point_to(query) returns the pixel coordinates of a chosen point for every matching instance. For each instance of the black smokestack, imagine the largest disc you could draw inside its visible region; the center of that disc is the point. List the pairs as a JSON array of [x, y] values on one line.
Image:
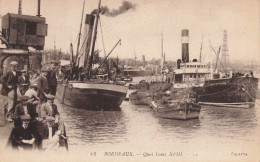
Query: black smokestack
[[89, 24], [125, 6], [185, 45]]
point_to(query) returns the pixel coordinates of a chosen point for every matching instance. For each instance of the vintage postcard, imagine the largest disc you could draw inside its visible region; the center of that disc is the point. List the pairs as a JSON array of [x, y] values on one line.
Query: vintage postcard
[[130, 80]]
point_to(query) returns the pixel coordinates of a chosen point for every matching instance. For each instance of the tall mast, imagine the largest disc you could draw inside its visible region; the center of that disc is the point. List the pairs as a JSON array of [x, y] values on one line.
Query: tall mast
[[20, 7], [77, 52], [162, 58], [135, 59], [201, 47], [39, 9], [162, 44], [92, 47]]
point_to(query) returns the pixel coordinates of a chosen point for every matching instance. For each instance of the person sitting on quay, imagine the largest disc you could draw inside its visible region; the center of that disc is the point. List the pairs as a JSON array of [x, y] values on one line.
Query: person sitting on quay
[[22, 137], [23, 81], [9, 88], [50, 109], [43, 85], [23, 108]]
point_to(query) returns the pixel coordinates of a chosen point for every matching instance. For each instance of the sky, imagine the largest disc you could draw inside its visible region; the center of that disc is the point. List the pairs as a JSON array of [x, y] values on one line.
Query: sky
[[141, 27]]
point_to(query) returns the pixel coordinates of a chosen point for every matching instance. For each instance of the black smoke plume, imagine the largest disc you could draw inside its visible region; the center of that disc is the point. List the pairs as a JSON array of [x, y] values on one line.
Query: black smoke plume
[[104, 10]]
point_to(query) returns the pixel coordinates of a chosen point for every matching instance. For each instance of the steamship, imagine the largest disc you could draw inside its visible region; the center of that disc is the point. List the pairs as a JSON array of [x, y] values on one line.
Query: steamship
[[95, 92], [234, 90]]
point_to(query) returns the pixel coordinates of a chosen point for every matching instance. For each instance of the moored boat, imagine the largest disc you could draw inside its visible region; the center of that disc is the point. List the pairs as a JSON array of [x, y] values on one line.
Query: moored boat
[[230, 92], [92, 95], [226, 88], [176, 109]]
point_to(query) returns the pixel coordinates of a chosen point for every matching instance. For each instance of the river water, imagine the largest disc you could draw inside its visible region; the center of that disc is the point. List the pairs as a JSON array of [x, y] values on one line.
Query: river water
[[219, 133]]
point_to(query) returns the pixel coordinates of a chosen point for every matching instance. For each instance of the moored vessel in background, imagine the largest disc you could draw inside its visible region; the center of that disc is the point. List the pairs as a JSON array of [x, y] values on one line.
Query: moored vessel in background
[[138, 72], [235, 91], [226, 88]]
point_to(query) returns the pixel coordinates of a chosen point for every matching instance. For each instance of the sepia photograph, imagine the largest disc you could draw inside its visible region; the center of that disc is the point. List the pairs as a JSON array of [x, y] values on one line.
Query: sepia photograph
[[129, 80]]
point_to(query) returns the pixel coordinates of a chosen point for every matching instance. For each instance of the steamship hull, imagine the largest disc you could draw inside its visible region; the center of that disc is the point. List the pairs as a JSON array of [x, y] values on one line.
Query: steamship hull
[[92, 96], [237, 92]]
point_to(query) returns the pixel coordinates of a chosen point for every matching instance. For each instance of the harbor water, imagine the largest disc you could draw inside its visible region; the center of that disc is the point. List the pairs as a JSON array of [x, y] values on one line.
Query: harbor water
[[221, 132]]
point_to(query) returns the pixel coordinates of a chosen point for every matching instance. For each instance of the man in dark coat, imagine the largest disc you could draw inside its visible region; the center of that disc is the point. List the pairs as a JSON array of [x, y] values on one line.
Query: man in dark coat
[[23, 81], [9, 87], [24, 108], [43, 85], [22, 136], [50, 109], [52, 78]]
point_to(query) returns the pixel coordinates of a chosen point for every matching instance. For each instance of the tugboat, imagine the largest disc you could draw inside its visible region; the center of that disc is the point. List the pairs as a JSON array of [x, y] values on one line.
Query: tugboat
[[92, 92]]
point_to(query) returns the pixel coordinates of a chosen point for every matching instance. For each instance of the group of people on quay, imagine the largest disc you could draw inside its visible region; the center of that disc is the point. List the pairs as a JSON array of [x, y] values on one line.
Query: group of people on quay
[[30, 106]]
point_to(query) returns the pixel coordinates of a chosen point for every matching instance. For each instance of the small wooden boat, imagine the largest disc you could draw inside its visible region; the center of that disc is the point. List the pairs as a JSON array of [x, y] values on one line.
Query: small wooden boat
[[176, 109], [242, 105]]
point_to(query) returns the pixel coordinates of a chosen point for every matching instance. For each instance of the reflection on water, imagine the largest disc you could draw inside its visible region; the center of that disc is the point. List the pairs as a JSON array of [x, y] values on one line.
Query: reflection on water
[[138, 125], [90, 127]]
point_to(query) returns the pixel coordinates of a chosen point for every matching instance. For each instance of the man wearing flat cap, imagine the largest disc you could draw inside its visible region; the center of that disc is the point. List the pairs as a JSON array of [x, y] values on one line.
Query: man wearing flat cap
[[49, 109], [43, 85], [23, 82], [24, 108], [9, 87], [53, 78], [22, 136]]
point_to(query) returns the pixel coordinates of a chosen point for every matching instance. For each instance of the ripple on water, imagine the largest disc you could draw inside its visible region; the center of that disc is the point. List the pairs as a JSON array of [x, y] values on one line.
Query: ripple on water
[[136, 124]]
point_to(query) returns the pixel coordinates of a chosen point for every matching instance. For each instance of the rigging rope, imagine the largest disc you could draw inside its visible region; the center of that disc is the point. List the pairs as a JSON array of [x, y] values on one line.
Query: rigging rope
[[250, 96], [102, 37]]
